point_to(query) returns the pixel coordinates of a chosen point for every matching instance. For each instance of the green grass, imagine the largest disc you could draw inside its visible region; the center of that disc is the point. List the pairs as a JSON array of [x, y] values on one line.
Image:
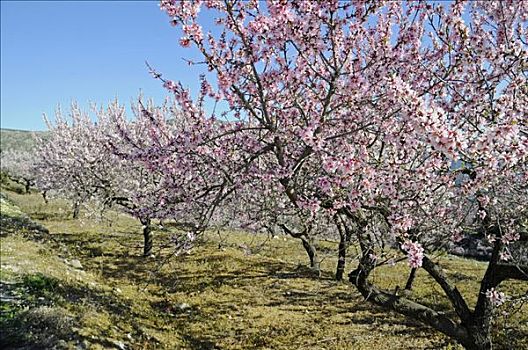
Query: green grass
[[221, 296]]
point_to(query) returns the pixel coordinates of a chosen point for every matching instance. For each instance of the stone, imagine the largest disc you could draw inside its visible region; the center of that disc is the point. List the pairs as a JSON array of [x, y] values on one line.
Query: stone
[[119, 344], [183, 306], [61, 344], [85, 344], [76, 264]]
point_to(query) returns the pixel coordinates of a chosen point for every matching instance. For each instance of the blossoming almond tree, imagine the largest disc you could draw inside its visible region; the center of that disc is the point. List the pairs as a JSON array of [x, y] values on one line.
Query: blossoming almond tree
[[81, 160], [404, 122], [18, 165], [194, 169], [140, 188], [70, 162], [132, 187]]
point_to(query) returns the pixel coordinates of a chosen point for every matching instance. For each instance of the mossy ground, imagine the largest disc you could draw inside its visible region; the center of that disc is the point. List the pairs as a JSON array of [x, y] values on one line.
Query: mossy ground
[[234, 291]]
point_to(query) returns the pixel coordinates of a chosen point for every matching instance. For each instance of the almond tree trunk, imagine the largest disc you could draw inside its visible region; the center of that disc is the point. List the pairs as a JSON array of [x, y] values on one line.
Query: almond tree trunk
[[147, 236], [472, 329], [45, 196], [308, 245], [344, 240], [76, 208], [27, 185], [410, 280], [315, 263]]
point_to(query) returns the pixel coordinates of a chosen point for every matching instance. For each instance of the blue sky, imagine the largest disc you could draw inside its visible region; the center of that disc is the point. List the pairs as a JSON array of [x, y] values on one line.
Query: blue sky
[[89, 51], [55, 52]]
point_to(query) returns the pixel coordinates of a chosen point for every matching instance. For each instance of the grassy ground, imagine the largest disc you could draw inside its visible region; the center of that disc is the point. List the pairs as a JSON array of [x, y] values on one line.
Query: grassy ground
[[85, 286]]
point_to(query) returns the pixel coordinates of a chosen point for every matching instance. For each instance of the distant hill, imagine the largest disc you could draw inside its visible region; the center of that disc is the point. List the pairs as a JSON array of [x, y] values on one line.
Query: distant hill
[[21, 140]]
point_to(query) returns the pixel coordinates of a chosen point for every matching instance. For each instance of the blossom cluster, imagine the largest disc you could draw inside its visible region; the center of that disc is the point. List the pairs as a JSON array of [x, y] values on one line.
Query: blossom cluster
[[495, 297], [341, 115], [414, 253]]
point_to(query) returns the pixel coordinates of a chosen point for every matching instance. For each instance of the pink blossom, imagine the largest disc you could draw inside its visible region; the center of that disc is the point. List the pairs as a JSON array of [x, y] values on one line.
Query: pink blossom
[[185, 42], [414, 253], [457, 235], [170, 85], [505, 256], [510, 237], [193, 31], [495, 297]]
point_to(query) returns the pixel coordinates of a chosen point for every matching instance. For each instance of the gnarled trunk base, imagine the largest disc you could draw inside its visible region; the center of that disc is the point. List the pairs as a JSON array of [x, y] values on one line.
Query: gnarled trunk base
[[76, 209], [341, 261], [315, 264]]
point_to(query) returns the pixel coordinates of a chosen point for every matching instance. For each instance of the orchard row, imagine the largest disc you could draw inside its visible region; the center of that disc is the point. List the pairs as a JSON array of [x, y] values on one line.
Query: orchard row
[[399, 127]]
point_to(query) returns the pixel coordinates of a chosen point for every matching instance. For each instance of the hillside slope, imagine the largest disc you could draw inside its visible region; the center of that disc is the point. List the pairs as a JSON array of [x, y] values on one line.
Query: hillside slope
[[21, 140]]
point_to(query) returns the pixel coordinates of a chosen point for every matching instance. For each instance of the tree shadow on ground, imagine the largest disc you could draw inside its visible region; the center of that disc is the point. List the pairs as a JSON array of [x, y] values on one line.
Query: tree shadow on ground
[[199, 343], [50, 216], [210, 272]]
